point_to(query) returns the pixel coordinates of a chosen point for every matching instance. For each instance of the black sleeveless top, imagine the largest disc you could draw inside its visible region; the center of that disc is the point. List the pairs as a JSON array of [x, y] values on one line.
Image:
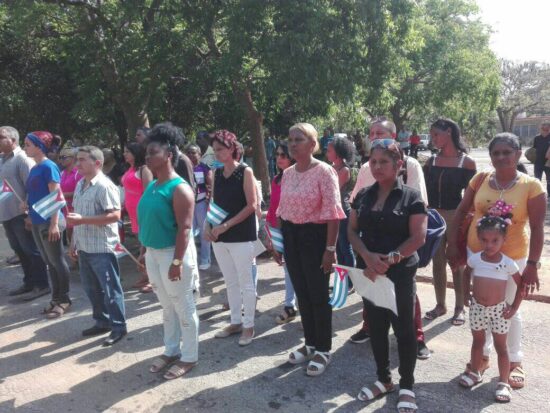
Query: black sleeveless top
[[229, 195], [446, 183]]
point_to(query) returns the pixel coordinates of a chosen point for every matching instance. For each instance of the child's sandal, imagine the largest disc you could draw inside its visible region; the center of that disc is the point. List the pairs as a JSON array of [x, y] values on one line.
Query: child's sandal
[[503, 393], [470, 379]]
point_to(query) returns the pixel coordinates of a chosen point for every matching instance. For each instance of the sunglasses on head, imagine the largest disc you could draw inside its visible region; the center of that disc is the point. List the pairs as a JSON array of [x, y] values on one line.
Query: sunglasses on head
[[384, 143]]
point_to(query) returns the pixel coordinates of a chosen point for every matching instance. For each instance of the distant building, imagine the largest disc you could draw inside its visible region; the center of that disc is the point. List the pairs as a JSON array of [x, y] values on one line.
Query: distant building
[[528, 127]]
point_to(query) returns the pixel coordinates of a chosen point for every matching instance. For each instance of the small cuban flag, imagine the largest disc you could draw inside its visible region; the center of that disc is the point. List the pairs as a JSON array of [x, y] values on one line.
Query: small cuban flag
[[50, 204], [215, 214], [6, 192], [340, 288], [120, 250], [276, 237]]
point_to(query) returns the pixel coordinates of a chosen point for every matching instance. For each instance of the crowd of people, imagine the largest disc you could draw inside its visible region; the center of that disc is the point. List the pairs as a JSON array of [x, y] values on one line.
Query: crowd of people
[[185, 202]]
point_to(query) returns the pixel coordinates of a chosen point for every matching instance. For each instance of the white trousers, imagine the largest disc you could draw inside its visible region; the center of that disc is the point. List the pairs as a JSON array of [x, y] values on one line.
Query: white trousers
[[179, 313], [235, 261], [514, 334]]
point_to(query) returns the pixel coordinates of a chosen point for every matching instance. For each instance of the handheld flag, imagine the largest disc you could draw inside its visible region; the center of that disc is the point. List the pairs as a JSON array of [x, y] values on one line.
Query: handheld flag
[[120, 251], [6, 192], [276, 237], [215, 214], [340, 288], [50, 204]]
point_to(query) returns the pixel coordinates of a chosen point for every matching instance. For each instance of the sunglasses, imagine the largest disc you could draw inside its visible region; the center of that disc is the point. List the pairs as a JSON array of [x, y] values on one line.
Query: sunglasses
[[384, 143]]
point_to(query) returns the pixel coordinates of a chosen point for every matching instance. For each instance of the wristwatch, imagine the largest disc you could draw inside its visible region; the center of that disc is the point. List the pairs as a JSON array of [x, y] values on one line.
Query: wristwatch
[[331, 248], [537, 264], [394, 257], [176, 262]]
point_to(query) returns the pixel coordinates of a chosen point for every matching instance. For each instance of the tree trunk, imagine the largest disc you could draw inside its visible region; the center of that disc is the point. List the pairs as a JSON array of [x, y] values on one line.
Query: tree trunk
[[506, 119], [135, 119], [255, 125], [121, 128]]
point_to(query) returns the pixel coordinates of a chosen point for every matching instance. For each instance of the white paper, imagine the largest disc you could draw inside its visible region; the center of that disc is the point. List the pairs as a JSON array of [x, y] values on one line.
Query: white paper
[[381, 292]]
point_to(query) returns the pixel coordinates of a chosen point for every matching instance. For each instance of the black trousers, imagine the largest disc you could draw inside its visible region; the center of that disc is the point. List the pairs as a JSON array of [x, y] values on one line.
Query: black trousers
[[539, 170], [380, 320], [304, 246]]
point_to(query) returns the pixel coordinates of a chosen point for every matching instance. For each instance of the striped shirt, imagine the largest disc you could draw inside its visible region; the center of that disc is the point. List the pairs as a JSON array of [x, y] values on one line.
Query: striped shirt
[[96, 198], [15, 169]]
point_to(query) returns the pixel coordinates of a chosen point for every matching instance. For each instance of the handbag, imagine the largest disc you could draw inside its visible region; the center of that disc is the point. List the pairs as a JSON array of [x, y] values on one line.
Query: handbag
[[462, 240]]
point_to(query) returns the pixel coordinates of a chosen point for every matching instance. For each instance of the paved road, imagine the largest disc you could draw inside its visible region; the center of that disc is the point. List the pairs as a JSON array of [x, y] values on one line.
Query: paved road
[[46, 366]]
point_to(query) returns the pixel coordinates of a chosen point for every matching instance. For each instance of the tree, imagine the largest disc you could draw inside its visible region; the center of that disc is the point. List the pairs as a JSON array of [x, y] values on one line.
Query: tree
[[525, 88], [441, 64]]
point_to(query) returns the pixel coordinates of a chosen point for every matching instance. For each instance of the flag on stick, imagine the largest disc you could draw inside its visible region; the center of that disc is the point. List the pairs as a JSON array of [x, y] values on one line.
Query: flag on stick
[[340, 288], [50, 204], [7, 192], [276, 237], [215, 214], [122, 251]]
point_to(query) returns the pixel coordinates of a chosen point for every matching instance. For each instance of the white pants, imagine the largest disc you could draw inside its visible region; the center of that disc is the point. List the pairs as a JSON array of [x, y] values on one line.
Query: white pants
[[179, 314], [514, 334], [235, 261]]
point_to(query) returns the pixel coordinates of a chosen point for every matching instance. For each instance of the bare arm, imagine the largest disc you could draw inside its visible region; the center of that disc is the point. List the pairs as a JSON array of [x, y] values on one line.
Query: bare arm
[[344, 176], [53, 231], [208, 179], [183, 205], [511, 310], [536, 208]]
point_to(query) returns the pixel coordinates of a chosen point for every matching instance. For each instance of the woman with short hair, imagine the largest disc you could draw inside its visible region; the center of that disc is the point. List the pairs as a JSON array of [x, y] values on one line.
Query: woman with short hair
[[234, 192], [310, 211]]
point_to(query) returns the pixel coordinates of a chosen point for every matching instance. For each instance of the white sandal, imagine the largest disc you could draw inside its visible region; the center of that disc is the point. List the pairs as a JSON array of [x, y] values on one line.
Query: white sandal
[[298, 357], [503, 393], [470, 379], [366, 394], [404, 404], [319, 367]]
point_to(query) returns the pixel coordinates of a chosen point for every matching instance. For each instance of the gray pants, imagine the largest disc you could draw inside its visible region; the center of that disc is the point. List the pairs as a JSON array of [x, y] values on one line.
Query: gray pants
[[54, 257]]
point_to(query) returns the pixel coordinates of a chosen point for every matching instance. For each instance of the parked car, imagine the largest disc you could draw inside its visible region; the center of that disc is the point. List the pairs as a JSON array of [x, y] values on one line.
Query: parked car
[[425, 142]]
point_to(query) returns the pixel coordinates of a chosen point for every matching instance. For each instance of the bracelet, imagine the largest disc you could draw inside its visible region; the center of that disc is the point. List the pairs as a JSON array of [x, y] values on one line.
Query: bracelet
[[331, 248]]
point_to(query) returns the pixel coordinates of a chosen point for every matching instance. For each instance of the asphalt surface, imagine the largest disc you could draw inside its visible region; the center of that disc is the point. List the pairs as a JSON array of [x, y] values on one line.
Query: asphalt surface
[[46, 366]]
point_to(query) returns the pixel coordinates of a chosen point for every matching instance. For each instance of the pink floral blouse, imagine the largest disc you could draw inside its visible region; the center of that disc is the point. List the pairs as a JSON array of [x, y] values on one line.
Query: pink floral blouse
[[312, 196]]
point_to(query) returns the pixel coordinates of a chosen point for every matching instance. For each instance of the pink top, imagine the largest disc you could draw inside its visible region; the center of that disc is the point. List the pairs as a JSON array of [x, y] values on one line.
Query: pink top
[[271, 216], [133, 189], [69, 179], [311, 196]]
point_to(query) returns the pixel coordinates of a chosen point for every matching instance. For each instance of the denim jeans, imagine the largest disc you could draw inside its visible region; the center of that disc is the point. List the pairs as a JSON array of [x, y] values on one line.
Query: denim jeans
[[539, 170], [100, 277], [201, 209], [290, 295], [35, 273], [179, 314], [53, 255]]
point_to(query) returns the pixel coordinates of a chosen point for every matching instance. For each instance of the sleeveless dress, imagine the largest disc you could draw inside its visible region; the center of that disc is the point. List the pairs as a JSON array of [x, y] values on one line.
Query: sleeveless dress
[[133, 190]]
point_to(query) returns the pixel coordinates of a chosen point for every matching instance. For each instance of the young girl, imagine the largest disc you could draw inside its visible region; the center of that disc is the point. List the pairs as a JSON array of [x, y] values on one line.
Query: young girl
[[488, 309]]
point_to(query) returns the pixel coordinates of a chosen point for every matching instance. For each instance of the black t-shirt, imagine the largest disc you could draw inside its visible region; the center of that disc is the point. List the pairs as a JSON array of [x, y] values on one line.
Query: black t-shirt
[[541, 144], [384, 231]]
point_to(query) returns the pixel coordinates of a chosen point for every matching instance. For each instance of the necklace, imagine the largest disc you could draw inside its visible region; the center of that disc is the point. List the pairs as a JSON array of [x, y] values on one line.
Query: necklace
[[507, 187]]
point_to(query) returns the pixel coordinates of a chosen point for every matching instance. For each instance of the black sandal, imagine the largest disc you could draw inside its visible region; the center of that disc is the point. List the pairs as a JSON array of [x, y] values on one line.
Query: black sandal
[[288, 315]]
